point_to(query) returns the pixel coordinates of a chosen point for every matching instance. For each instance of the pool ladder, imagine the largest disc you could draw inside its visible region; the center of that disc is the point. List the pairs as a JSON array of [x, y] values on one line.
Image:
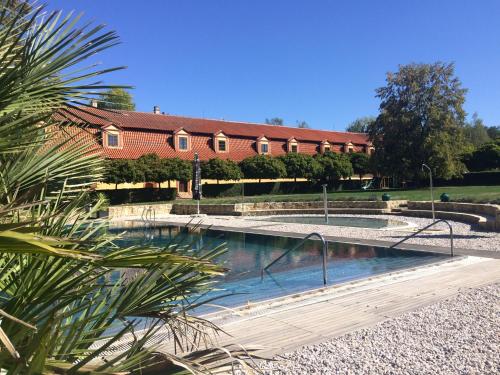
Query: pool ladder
[[324, 254], [427, 227], [148, 216]]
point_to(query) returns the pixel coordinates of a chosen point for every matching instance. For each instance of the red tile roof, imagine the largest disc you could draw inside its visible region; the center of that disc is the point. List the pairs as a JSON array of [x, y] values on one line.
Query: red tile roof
[[170, 123]]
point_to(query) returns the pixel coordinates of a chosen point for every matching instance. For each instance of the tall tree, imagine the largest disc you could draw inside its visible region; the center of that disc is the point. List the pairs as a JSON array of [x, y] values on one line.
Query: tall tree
[[493, 132], [421, 121], [119, 171], [476, 133], [116, 98], [274, 121], [360, 125], [303, 125]]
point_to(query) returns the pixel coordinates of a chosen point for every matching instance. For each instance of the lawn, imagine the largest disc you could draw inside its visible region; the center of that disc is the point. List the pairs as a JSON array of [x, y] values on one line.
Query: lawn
[[480, 194]]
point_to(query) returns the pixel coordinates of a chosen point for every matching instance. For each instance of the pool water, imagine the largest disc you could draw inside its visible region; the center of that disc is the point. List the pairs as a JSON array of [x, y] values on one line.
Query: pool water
[[341, 221], [298, 271]]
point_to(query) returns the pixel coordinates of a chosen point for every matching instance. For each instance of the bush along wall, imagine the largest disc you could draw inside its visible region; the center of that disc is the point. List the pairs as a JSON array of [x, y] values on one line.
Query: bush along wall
[[123, 196], [256, 188]]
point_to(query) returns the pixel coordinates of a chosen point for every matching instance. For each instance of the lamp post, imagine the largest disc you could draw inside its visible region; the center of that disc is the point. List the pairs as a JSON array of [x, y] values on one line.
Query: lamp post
[[325, 203], [432, 191]]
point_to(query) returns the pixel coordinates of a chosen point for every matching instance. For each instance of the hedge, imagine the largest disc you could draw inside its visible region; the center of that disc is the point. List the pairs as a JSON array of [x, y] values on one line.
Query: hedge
[[473, 179], [122, 196], [271, 188]]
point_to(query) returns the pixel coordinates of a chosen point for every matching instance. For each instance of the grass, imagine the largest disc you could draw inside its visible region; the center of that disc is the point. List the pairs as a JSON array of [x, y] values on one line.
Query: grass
[[478, 194]]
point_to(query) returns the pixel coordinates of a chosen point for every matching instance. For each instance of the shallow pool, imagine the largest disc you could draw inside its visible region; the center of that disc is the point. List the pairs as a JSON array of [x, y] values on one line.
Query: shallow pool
[[342, 221], [298, 271]]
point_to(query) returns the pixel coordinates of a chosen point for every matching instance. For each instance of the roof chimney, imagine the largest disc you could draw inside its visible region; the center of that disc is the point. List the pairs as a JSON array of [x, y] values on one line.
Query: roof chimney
[[156, 110], [93, 103]]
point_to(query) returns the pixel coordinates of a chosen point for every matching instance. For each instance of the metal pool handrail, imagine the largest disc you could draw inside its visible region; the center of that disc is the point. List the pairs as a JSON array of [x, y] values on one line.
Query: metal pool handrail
[[427, 227], [324, 254], [148, 216]]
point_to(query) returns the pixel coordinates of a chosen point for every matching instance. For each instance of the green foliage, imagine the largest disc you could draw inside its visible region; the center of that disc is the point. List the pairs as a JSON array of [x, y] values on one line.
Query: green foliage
[[361, 125], [274, 121], [333, 167], [420, 121], [219, 169], [493, 132], [178, 169], [151, 169], [486, 157], [116, 98], [119, 171], [303, 125], [300, 165], [476, 133], [262, 166], [360, 163], [68, 294]]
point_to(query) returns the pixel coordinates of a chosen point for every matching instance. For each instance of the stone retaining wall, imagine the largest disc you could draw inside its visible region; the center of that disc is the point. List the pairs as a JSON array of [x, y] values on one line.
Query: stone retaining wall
[[490, 212], [137, 209], [208, 209]]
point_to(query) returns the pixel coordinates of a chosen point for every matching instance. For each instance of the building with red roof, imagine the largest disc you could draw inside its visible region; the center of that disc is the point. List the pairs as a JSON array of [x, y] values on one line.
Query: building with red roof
[[129, 135]]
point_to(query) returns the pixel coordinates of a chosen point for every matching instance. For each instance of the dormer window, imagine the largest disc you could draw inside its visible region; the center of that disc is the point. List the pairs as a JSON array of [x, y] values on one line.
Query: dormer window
[[111, 137], [369, 149], [325, 146], [293, 145], [349, 148], [263, 146], [182, 140], [221, 142]]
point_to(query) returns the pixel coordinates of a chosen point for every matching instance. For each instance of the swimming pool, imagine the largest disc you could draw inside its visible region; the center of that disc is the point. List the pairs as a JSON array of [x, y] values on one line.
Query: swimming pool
[[342, 221], [297, 272]]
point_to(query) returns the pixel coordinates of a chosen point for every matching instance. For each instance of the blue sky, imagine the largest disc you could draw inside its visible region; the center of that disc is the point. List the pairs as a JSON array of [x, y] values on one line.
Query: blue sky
[[318, 61]]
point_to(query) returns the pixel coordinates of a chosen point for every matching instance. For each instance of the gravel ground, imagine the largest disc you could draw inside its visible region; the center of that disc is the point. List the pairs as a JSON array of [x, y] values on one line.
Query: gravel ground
[[464, 236], [460, 335]]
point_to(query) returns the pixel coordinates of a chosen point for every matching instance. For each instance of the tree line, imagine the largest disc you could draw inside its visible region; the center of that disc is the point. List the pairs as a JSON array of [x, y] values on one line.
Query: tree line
[[327, 168]]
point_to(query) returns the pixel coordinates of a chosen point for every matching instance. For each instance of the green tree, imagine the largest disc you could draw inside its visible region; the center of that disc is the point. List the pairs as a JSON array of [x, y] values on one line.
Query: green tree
[[486, 157], [421, 121], [333, 167], [300, 165], [360, 163], [493, 132], [274, 121], [476, 133], [361, 125], [151, 169], [303, 125], [119, 171], [116, 98], [219, 169], [180, 170], [262, 166]]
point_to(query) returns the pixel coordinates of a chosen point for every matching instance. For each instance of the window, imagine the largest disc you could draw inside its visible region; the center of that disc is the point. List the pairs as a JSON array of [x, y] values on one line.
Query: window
[[327, 149], [264, 148], [183, 143], [112, 140], [222, 145], [294, 148]]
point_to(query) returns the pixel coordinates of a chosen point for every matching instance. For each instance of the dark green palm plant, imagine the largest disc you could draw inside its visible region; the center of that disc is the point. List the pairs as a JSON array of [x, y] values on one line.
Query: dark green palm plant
[[72, 302]]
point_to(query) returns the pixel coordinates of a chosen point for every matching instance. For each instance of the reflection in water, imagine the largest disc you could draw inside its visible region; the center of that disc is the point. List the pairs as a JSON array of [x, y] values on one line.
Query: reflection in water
[[298, 271]]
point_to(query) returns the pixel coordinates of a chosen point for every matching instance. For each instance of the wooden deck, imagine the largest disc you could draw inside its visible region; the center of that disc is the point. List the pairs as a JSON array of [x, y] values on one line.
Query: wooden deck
[[342, 311]]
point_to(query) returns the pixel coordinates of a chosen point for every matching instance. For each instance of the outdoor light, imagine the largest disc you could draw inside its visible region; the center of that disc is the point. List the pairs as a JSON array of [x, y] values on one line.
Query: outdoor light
[[432, 192]]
